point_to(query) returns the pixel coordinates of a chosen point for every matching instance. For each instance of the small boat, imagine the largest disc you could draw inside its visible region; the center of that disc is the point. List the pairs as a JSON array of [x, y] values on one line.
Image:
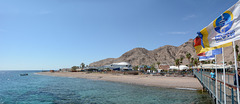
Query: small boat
[[24, 74]]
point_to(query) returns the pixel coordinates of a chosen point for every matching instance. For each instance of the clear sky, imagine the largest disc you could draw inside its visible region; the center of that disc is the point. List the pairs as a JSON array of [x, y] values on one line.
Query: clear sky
[[53, 34]]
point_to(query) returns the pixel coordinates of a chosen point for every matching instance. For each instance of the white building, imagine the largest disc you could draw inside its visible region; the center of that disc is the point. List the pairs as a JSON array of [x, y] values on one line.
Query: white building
[[123, 66], [181, 67]]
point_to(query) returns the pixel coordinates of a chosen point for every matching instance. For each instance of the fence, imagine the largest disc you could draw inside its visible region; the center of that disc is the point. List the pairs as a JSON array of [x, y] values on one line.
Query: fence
[[208, 83]]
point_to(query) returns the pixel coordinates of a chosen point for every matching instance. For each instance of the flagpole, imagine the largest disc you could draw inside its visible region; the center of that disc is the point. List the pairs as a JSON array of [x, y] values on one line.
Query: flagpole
[[225, 99], [216, 79], [236, 70]]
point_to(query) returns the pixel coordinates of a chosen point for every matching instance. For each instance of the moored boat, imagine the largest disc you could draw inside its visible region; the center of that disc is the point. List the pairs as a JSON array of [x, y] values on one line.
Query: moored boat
[[25, 74]]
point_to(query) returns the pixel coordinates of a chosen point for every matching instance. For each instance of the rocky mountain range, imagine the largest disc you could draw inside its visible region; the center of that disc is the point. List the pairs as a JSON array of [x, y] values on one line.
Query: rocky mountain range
[[165, 55]]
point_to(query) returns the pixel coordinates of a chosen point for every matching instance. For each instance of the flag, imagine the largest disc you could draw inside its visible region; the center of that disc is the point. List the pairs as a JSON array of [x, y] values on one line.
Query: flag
[[204, 58], [224, 29], [200, 47], [212, 52], [197, 45]]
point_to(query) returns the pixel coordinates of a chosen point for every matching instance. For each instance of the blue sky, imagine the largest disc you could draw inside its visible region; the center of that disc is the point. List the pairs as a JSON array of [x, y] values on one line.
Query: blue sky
[[53, 34]]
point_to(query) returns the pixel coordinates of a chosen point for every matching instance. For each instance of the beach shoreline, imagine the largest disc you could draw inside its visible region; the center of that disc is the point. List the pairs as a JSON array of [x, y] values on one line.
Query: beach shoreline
[[189, 83]]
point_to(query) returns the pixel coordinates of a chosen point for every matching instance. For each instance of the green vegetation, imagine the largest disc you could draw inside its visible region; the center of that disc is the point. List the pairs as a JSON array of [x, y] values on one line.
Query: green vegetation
[[208, 62], [213, 61], [192, 60], [196, 62], [236, 49], [145, 68], [108, 69], [181, 59], [188, 57], [158, 63], [153, 68], [238, 58], [82, 65], [177, 62], [135, 68]]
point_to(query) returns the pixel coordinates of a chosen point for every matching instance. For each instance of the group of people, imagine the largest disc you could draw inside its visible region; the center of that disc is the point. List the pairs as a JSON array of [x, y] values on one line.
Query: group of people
[[212, 74]]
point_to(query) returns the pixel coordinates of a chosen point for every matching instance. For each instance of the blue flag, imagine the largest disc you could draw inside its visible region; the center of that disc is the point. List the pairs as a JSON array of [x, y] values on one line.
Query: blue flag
[[204, 58]]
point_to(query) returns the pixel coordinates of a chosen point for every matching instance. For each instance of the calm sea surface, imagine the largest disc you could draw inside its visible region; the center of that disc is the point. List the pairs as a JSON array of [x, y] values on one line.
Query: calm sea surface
[[37, 89]]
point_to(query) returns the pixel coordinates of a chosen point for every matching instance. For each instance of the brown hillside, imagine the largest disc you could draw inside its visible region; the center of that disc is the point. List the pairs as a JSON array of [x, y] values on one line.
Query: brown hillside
[[165, 55]]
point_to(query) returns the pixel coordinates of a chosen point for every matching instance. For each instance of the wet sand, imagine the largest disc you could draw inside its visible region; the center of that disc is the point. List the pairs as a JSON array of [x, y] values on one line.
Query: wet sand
[[146, 80]]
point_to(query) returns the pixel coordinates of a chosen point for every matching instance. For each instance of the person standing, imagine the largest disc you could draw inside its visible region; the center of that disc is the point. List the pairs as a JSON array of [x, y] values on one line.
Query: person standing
[[212, 74]]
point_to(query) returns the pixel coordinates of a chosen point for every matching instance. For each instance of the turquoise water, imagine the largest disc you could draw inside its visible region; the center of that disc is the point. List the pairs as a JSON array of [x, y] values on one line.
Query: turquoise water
[[37, 89]]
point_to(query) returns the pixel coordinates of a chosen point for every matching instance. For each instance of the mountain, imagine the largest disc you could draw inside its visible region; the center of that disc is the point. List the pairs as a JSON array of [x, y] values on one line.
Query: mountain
[[165, 55]]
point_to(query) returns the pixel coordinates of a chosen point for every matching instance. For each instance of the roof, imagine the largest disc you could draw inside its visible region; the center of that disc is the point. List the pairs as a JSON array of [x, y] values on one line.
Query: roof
[[181, 67], [164, 67], [121, 63]]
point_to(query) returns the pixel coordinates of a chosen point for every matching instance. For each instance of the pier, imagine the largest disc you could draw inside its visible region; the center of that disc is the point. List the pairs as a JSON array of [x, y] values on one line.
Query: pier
[[209, 84]]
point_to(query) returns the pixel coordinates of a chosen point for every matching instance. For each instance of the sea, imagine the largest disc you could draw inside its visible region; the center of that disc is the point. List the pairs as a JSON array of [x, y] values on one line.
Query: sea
[[40, 89]]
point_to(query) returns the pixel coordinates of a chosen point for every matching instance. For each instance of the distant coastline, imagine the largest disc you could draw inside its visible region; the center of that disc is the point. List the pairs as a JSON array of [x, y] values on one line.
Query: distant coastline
[[146, 80]]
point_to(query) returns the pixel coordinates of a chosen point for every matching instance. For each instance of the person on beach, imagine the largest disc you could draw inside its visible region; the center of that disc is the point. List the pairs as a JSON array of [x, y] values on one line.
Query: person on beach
[[235, 78], [212, 74]]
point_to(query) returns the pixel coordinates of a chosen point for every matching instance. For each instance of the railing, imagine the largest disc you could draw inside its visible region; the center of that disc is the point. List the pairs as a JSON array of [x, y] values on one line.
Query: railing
[[208, 83], [229, 76]]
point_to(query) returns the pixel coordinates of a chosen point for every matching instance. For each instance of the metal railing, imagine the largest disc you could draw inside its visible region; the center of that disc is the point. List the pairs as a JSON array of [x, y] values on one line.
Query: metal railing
[[209, 84]]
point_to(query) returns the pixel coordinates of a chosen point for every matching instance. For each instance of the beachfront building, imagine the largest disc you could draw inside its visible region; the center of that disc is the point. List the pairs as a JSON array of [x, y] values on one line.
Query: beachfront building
[[90, 69], [208, 67], [143, 67], [121, 66], [181, 67], [213, 66], [79, 70], [164, 67]]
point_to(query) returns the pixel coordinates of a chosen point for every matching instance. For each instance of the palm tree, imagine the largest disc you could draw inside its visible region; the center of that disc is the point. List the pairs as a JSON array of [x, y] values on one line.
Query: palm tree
[[196, 62], [236, 49], [213, 61], [145, 67], [177, 62], [135, 67], [152, 67], [238, 57], [82, 65], [188, 57], [181, 59], [158, 63], [192, 60]]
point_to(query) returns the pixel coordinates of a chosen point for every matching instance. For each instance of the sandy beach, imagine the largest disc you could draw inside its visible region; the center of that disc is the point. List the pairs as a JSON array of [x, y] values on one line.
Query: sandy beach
[[146, 80]]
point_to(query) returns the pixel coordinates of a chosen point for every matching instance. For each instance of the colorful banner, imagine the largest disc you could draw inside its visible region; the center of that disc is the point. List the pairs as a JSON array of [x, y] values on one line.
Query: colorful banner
[[224, 29], [200, 48], [212, 52], [204, 58]]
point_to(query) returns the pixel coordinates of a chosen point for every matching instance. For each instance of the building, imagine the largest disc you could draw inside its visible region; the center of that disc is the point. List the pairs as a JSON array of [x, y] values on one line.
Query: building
[[164, 67], [181, 67], [121, 66], [90, 69]]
